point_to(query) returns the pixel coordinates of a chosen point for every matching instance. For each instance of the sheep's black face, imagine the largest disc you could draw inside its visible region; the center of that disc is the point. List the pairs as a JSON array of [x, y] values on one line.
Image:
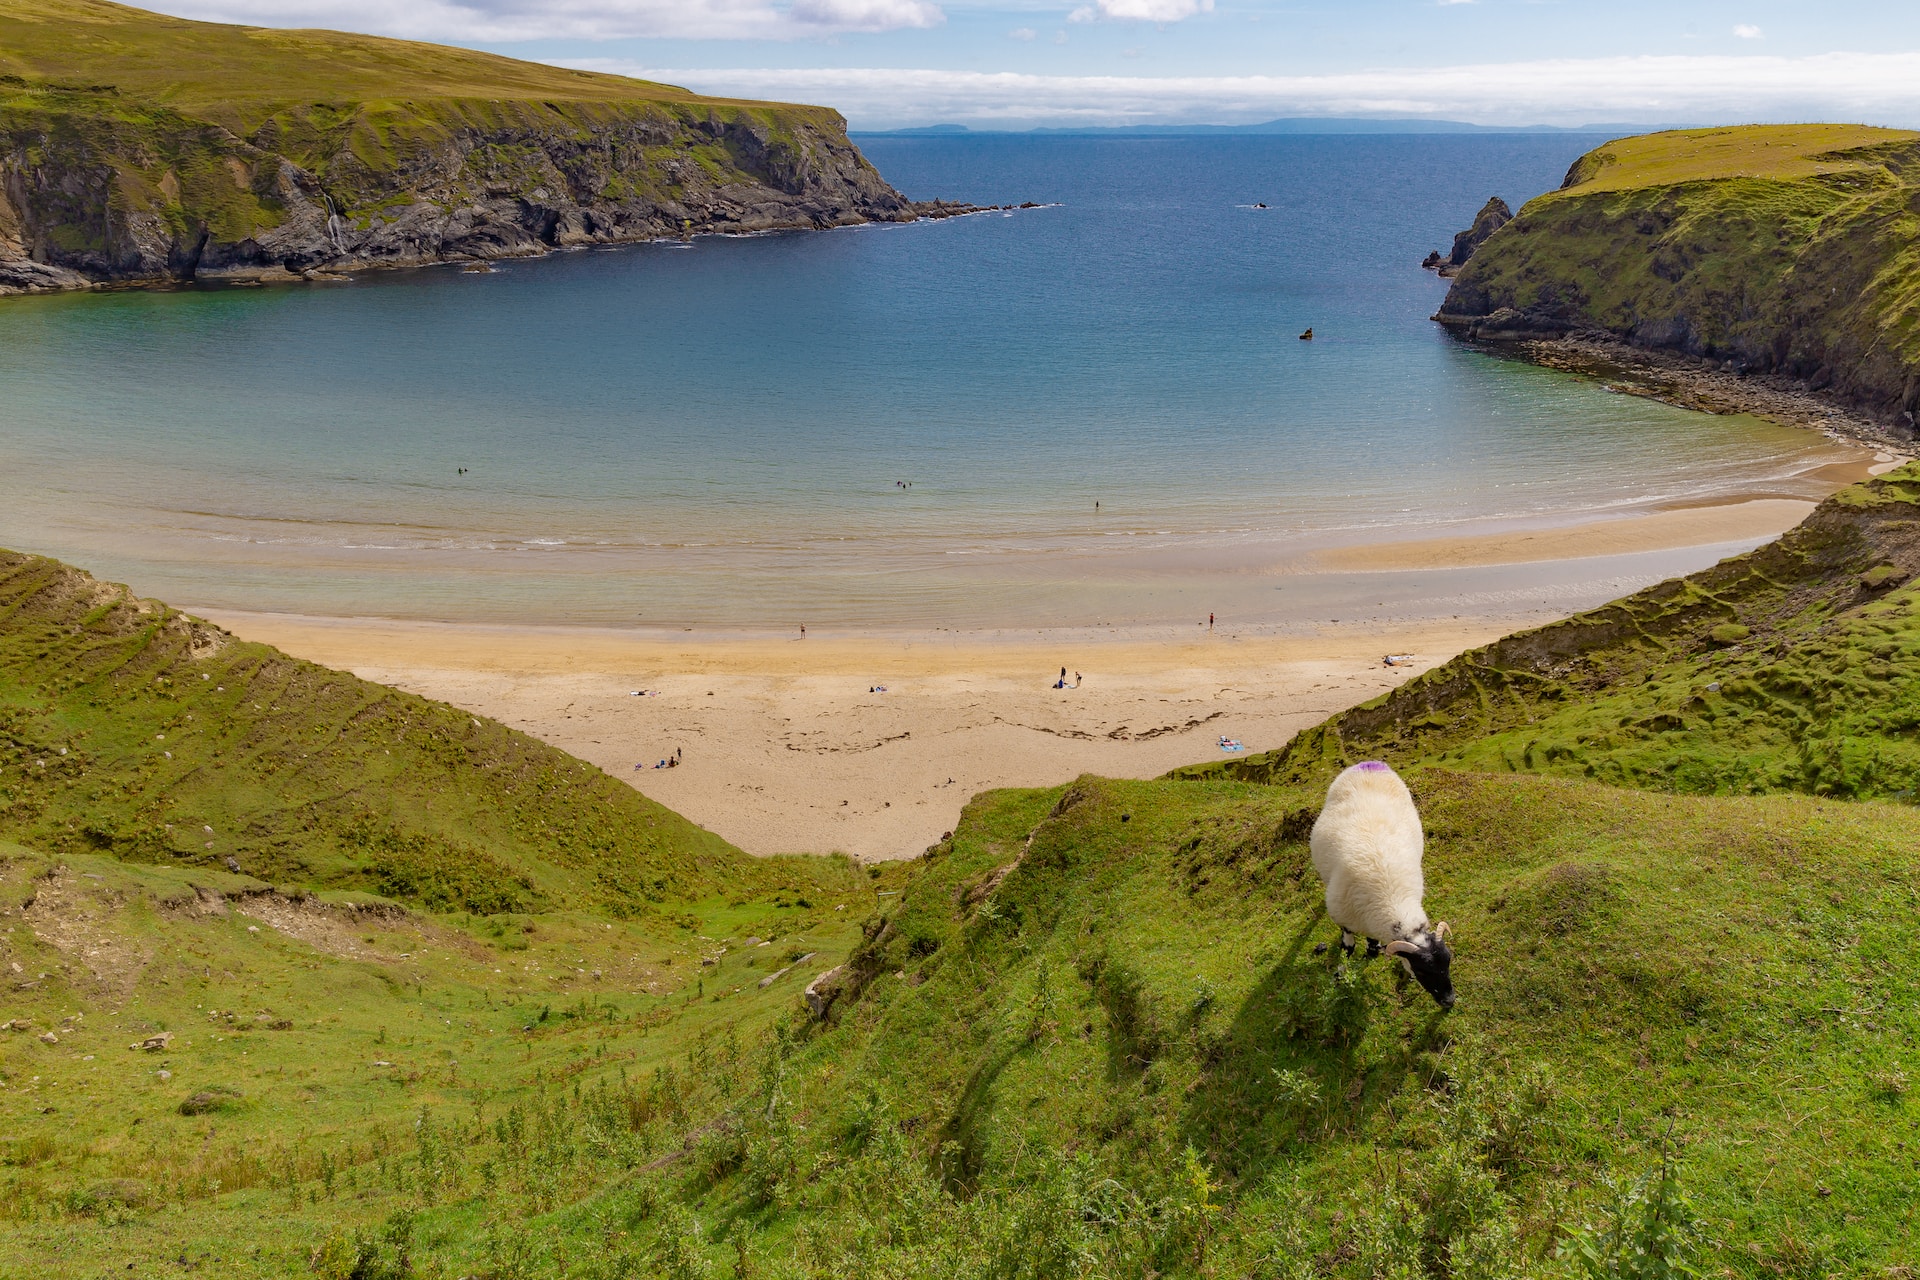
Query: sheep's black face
[[1431, 964]]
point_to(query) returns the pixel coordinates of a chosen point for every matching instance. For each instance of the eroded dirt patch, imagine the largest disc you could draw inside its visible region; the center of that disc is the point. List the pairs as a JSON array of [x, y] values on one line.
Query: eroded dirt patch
[[81, 919]]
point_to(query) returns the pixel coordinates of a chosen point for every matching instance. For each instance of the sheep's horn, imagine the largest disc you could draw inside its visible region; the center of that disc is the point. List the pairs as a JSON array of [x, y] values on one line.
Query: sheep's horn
[[1441, 930], [1399, 948]]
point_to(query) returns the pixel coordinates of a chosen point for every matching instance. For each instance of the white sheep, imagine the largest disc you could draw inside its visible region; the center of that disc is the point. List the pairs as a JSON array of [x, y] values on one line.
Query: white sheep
[[1366, 847]]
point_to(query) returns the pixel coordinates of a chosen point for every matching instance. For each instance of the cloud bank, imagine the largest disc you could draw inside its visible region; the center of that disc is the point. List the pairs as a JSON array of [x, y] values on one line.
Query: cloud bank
[[1140, 10], [512, 20], [1881, 88]]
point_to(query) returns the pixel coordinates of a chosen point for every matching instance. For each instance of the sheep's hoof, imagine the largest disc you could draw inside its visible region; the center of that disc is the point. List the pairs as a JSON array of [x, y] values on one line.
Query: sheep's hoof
[[1373, 948], [1320, 949]]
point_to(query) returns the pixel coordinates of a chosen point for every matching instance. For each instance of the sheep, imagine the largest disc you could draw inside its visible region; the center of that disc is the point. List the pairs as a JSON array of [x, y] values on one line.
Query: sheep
[[1366, 846]]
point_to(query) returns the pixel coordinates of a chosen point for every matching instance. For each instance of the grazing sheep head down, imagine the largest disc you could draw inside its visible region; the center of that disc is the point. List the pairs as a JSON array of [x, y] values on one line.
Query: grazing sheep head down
[[1430, 960], [1367, 845]]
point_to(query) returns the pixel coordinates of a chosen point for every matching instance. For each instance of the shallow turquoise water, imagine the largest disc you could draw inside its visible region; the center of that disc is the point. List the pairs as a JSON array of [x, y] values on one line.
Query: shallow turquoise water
[[713, 435]]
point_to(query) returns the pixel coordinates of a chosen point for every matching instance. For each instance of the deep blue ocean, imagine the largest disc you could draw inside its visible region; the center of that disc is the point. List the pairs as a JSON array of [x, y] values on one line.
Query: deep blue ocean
[[878, 426]]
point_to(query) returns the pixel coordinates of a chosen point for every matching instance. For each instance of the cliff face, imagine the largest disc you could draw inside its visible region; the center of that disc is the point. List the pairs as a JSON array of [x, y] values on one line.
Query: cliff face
[[1786, 250], [160, 178]]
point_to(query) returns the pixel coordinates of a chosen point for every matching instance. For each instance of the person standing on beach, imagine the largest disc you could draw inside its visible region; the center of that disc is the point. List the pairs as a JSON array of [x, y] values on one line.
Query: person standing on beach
[[803, 631], [1209, 622]]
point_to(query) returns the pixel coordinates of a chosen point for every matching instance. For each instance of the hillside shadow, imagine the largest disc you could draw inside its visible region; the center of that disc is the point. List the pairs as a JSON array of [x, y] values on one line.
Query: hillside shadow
[[1318, 1046], [959, 1164]]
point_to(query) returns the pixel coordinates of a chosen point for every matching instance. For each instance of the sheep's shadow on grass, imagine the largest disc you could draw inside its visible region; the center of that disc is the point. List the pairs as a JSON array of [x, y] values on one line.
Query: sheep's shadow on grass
[[1313, 1052]]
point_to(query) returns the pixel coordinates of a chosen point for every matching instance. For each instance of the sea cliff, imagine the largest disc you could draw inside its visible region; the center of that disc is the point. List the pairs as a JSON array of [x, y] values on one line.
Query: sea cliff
[[1785, 252], [141, 148]]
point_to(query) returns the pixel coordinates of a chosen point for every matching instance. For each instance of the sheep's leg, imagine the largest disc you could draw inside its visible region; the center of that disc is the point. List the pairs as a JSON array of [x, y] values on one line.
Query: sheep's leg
[[1346, 941], [1373, 948]]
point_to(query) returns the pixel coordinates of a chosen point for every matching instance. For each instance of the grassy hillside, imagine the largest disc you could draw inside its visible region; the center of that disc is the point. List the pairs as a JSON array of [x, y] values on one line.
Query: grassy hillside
[[362, 920], [132, 730], [1795, 667], [135, 146], [1089, 1035], [334, 1061], [211, 67], [1120, 1057], [1787, 249]]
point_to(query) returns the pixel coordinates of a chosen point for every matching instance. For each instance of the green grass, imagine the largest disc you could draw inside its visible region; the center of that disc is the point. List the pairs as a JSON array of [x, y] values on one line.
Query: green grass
[[1785, 248], [1088, 1035], [1783, 152], [206, 66], [336, 1032]]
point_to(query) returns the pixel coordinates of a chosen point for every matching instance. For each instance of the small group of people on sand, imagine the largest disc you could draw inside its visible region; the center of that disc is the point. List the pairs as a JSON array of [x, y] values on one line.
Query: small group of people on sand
[[1061, 683], [671, 762]]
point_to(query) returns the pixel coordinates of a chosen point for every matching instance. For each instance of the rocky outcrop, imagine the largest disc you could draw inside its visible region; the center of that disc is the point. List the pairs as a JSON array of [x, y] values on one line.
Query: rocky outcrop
[[1777, 251], [1493, 215], [98, 188]]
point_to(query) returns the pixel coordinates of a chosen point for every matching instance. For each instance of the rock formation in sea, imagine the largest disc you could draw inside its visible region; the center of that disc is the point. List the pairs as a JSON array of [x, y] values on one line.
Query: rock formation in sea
[[1493, 215]]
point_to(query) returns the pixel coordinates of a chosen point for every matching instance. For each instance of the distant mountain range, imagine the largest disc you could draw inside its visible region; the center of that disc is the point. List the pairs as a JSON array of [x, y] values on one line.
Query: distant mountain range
[[1289, 125]]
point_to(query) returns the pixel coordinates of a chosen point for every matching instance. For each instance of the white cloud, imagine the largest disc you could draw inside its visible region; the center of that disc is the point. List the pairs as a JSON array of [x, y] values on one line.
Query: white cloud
[[1852, 86], [866, 15], [1022, 33], [1747, 31], [1141, 10], [510, 20]]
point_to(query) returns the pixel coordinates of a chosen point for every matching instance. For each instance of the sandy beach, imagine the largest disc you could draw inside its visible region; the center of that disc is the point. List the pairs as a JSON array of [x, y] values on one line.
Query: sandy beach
[[870, 743]]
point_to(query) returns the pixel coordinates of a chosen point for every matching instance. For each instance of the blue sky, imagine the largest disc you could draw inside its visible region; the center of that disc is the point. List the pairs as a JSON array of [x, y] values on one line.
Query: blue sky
[[899, 62]]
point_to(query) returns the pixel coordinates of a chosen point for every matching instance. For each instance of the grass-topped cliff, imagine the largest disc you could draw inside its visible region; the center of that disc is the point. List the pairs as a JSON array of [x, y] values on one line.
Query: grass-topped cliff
[[1784, 249], [1088, 1035], [135, 146]]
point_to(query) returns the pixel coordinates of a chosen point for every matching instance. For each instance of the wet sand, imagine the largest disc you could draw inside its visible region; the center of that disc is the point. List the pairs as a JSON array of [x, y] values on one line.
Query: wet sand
[[1754, 519]]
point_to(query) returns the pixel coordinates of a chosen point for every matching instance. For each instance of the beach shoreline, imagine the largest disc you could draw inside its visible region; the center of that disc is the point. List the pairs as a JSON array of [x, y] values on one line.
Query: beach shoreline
[[869, 741]]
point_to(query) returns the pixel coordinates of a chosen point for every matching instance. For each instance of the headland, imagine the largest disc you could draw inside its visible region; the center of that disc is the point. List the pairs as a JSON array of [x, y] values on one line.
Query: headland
[[137, 148]]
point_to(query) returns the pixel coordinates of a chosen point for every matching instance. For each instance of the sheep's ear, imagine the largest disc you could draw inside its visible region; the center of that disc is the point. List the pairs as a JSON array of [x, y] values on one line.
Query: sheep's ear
[[1399, 948], [1441, 930]]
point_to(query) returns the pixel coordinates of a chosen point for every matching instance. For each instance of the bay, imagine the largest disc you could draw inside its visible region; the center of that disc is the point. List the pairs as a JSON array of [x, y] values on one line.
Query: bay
[[889, 426]]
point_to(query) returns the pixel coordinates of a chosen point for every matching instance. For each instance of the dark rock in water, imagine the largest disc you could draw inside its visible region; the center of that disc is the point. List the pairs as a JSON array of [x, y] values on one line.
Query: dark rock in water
[[1432, 260], [1493, 215]]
